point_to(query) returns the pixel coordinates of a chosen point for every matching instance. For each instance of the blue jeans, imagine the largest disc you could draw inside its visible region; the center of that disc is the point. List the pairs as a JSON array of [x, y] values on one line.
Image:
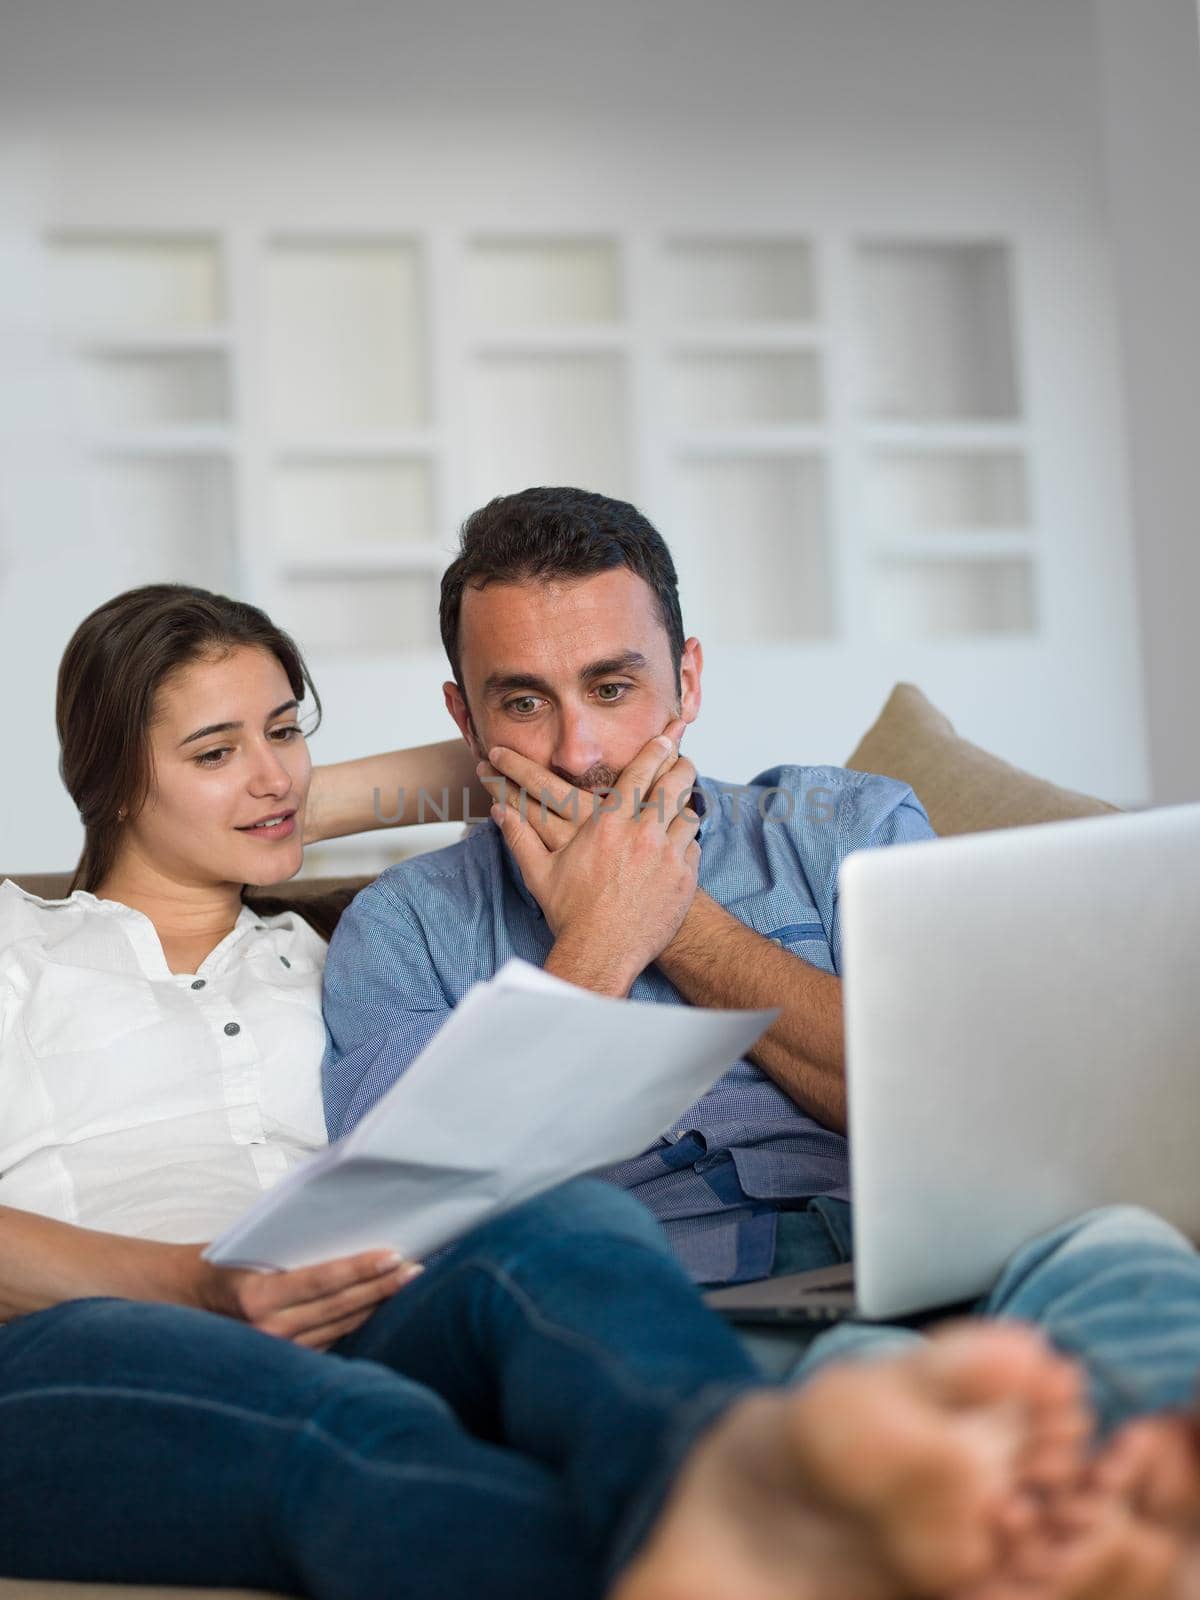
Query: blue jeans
[[507, 1425], [1118, 1289]]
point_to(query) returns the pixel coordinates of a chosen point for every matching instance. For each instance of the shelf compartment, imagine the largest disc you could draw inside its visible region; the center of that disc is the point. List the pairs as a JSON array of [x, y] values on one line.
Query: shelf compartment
[[118, 391], [959, 598], [752, 548], [938, 331], [558, 419], [924, 491], [163, 521], [745, 390], [740, 280], [109, 281], [368, 504], [346, 336], [359, 616], [559, 282]]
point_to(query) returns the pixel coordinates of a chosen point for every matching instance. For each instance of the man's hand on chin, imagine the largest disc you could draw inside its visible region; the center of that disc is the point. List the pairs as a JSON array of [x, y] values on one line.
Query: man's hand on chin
[[711, 958], [615, 873]]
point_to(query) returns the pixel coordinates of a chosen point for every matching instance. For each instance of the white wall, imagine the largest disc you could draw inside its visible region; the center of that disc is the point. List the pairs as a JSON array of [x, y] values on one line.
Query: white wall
[[1149, 56], [955, 115]]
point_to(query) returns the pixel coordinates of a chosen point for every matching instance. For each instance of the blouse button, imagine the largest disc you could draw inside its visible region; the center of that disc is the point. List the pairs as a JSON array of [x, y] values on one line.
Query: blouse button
[[258, 928], [285, 961], [233, 1027], [198, 984]]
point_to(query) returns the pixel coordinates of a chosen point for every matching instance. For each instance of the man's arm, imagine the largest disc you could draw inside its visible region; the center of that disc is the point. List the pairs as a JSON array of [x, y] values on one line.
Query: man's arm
[[715, 960], [383, 1002]]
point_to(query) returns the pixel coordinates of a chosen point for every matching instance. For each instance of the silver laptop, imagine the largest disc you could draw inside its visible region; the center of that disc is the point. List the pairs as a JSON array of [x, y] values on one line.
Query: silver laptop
[[1023, 1043]]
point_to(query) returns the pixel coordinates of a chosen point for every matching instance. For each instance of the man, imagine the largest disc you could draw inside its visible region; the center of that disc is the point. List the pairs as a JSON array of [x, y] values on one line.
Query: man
[[561, 621]]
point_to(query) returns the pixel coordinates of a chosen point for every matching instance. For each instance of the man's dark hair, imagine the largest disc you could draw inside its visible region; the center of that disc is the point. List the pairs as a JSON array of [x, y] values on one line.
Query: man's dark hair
[[543, 534]]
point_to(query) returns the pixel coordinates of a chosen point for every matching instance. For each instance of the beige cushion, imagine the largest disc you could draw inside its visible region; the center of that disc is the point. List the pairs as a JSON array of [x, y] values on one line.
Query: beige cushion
[[963, 788]]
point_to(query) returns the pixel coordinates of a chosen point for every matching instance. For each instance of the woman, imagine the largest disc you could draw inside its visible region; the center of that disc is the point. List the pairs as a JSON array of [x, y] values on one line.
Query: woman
[[548, 1410]]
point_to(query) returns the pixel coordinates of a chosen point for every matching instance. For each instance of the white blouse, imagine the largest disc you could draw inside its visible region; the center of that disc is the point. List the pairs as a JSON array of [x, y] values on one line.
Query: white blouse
[[145, 1102]]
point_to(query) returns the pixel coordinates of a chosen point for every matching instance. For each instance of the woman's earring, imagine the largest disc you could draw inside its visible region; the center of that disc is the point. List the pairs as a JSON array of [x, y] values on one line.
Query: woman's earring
[[121, 814]]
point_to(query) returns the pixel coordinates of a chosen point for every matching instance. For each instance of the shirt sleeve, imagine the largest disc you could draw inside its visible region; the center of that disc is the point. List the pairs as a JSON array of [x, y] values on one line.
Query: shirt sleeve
[[890, 814], [814, 817], [383, 1003]]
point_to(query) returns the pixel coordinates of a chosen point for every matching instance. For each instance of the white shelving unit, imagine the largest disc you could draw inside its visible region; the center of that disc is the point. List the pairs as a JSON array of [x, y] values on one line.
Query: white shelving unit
[[537, 284], [546, 382], [845, 469], [744, 354], [544, 417], [143, 317], [351, 497], [943, 457]]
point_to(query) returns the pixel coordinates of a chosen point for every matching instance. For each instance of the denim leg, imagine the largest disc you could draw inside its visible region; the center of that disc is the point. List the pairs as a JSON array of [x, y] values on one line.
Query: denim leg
[[820, 1235], [567, 1330], [153, 1444], [1119, 1289], [853, 1341]]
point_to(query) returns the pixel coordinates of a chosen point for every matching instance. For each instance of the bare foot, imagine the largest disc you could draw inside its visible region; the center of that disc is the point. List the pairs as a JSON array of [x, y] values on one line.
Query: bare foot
[[1129, 1531], [1092, 1546], [875, 1479], [1155, 1464]]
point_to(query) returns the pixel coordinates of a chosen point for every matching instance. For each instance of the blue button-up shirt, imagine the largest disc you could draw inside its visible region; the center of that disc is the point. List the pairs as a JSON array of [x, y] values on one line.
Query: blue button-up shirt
[[413, 942]]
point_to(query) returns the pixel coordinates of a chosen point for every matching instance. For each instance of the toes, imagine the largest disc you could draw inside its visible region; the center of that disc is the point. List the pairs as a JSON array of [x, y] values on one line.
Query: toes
[[1127, 1457], [975, 1363]]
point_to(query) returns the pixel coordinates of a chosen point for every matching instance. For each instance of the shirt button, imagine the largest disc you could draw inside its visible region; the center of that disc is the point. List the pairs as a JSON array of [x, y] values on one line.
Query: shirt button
[[285, 961], [233, 1027], [198, 984], [258, 928]]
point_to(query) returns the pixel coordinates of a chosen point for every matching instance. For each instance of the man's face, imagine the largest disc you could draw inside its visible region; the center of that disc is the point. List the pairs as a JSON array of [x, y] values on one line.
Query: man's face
[[575, 674]]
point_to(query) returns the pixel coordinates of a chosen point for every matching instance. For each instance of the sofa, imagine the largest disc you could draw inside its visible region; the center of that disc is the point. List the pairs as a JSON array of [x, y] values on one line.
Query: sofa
[[964, 789]]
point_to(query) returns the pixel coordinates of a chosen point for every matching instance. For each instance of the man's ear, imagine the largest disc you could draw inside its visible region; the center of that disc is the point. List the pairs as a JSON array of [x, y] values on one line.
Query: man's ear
[[456, 705], [691, 665]]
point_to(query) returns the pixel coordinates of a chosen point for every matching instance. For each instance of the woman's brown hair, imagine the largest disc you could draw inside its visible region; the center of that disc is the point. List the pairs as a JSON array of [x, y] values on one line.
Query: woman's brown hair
[[111, 672]]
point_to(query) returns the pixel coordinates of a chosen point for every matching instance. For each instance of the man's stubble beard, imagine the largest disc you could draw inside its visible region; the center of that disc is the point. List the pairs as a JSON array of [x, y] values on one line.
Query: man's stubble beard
[[594, 779]]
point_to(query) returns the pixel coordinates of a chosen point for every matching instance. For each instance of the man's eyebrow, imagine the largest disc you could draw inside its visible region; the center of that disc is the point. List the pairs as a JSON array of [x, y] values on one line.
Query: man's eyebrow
[[504, 682], [627, 661], [501, 682], [232, 727]]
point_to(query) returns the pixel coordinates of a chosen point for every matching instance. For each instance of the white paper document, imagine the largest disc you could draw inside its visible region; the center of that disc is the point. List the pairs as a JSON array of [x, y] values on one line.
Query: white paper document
[[531, 1081]]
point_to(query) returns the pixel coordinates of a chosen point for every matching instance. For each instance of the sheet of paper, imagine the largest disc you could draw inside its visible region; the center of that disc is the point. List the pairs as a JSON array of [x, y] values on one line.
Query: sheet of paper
[[531, 1081]]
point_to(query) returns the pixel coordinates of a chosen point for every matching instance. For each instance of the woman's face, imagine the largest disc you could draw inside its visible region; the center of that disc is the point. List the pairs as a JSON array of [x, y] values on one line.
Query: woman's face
[[227, 759]]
